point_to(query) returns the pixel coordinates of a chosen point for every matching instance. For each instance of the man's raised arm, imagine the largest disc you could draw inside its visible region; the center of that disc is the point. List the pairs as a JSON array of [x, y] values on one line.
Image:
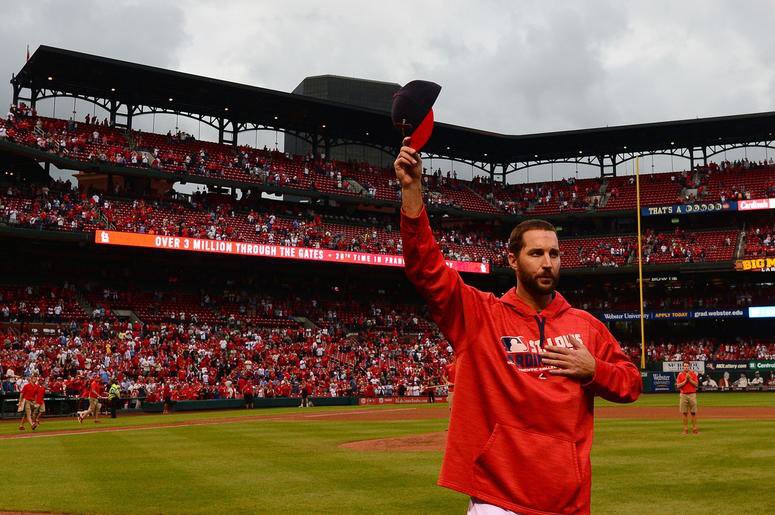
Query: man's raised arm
[[408, 168], [453, 304]]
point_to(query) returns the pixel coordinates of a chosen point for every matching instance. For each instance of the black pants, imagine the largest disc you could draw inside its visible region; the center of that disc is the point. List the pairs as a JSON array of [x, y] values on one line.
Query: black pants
[[114, 403]]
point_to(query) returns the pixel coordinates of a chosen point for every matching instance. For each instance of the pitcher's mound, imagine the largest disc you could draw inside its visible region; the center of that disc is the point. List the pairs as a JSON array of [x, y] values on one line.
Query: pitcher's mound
[[411, 443]]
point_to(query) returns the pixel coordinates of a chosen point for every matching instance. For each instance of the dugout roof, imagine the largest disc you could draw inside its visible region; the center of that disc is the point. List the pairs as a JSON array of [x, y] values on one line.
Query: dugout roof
[[88, 75]]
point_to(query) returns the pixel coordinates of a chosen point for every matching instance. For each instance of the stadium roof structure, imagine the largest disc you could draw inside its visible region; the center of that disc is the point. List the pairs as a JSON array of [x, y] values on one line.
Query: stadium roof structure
[[127, 90]]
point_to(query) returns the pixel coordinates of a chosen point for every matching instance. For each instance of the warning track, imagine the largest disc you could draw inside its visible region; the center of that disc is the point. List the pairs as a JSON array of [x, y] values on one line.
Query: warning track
[[366, 415]]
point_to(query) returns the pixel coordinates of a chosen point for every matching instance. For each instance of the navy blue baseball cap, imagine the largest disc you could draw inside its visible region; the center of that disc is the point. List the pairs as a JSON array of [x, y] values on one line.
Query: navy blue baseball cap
[[412, 111]]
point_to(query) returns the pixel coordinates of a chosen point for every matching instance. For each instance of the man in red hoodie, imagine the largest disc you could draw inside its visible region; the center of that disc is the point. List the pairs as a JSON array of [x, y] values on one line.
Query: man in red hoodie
[[528, 366]]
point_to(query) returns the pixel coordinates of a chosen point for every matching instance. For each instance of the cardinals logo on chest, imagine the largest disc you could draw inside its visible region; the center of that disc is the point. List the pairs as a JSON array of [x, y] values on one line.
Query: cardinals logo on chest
[[525, 355]]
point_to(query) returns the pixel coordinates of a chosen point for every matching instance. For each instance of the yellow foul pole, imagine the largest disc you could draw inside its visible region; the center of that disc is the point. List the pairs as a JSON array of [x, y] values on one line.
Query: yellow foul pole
[[640, 267]]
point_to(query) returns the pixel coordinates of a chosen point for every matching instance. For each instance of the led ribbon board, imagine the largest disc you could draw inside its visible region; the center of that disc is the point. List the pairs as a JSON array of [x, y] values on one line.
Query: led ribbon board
[[155, 241]]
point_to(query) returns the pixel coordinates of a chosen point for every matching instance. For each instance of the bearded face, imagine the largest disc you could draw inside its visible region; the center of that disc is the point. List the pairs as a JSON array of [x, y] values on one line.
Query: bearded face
[[538, 263], [538, 284]]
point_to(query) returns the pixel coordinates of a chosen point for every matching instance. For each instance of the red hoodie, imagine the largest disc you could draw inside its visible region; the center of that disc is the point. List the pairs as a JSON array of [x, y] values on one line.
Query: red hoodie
[[519, 437]]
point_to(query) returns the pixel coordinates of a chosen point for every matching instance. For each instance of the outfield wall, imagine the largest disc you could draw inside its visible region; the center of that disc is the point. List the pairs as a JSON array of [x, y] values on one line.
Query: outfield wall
[[64, 406], [286, 402], [653, 382], [274, 402], [664, 382]]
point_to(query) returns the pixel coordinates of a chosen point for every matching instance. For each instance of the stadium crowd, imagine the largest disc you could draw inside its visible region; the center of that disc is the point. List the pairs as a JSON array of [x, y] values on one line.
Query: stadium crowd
[[60, 206], [225, 343], [202, 361], [741, 179], [760, 241], [251, 343], [703, 349], [182, 154], [684, 295]]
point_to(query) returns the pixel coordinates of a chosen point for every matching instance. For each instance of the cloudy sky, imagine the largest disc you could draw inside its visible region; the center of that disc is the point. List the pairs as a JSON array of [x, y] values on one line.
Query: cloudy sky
[[505, 66]]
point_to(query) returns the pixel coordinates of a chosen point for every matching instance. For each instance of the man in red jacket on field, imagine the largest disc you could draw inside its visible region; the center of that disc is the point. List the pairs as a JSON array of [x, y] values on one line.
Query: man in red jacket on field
[[92, 391], [26, 404], [687, 383], [528, 366]]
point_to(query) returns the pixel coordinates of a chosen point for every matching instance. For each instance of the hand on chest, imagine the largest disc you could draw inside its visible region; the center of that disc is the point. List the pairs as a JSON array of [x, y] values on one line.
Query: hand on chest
[[521, 344]]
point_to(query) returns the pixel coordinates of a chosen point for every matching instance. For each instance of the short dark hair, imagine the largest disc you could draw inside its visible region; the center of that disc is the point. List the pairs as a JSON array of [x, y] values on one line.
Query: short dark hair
[[516, 241]]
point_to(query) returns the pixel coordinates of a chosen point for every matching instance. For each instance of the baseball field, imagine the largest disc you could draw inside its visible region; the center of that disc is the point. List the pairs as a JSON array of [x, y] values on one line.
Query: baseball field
[[373, 460]]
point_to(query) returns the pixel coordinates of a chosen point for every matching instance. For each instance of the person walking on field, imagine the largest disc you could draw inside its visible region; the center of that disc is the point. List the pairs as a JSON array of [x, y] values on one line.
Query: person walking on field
[[528, 366], [26, 405], [449, 378], [94, 393], [40, 403], [166, 395], [686, 382]]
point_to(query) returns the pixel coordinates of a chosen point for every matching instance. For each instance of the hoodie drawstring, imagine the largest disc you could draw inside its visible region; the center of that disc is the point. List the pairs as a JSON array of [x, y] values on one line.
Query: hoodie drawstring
[[541, 324]]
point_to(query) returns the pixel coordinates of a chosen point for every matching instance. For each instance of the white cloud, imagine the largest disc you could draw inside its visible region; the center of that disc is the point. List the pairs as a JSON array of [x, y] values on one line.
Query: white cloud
[[513, 67]]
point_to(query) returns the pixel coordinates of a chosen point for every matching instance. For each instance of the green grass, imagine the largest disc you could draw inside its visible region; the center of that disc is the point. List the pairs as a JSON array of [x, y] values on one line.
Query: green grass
[[293, 466], [649, 466], [720, 399], [69, 423]]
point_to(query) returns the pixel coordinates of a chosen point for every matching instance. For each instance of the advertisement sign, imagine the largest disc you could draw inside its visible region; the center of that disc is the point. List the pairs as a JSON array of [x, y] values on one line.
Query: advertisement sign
[[726, 377], [678, 366], [689, 209], [368, 401], [762, 365], [662, 381], [761, 312], [756, 388], [661, 278], [755, 265], [719, 313], [154, 241], [675, 315], [670, 315], [728, 365], [759, 203], [630, 315], [753, 375], [647, 315]]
